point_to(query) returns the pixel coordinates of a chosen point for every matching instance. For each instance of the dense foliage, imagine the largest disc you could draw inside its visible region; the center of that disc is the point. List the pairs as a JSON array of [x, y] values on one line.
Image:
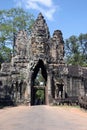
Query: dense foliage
[[11, 21], [76, 50], [40, 94]]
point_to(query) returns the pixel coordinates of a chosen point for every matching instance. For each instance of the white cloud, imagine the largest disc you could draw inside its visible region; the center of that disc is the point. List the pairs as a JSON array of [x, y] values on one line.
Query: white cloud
[[49, 13], [47, 3], [46, 7], [18, 3]]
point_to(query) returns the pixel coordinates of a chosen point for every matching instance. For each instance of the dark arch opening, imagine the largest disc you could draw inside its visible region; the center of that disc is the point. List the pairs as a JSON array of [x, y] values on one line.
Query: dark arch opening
[[40, 66]]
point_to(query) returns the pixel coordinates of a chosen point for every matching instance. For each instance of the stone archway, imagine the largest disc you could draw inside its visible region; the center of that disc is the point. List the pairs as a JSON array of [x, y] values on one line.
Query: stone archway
[[59, 90], [39, 66]]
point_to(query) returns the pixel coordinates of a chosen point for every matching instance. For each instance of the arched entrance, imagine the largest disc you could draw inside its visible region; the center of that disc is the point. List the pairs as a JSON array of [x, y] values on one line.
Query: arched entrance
[[59, 90], [39, 89]]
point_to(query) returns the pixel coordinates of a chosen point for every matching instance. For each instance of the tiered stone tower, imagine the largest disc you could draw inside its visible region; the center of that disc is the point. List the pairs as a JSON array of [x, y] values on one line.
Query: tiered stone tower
[[47, 54], [42, 52]]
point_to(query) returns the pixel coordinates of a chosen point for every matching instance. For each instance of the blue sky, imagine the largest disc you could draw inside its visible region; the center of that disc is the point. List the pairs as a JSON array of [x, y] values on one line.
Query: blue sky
[[69, 16]]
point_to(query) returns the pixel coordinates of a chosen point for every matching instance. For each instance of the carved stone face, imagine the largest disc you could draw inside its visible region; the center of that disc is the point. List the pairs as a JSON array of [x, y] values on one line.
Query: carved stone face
[[37, 48], [21, 43]]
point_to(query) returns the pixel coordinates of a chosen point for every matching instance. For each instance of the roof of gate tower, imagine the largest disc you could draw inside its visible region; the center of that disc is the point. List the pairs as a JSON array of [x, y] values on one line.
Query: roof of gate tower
[[40, 28]]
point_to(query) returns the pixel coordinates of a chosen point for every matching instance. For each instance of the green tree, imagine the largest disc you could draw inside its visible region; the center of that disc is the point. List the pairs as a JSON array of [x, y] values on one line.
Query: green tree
[[76, 50], [40, 94], [83, 47], [11, 21]]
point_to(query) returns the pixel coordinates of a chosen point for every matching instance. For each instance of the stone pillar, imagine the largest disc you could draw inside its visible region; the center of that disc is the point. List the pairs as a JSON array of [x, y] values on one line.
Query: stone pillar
[[65, 86], [48, 89], [28, 96], [71, 93], [81, 88], [29, 88]]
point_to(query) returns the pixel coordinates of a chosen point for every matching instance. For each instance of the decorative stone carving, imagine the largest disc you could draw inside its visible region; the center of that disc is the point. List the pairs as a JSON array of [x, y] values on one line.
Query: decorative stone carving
[[6, 67], [21, 43], [57, 47]]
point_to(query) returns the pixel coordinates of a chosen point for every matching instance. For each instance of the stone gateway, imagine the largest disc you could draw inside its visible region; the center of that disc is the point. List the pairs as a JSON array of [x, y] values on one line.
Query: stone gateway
[[35, 55]]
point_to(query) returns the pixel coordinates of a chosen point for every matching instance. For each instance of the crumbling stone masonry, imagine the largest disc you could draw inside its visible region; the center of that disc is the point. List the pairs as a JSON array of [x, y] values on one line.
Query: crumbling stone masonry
[[40, 51]]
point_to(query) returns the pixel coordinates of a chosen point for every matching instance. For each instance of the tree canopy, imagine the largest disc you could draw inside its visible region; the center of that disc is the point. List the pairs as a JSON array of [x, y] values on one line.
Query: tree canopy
[[76, 50], [11, 21]]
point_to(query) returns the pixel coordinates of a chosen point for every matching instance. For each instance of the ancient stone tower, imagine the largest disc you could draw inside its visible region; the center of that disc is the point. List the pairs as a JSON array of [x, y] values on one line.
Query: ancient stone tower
[[43, 54], [39, 51], [46, 53]]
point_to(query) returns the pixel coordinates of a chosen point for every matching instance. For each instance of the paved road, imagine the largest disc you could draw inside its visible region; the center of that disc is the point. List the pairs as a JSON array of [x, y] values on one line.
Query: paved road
[[42, 118]]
